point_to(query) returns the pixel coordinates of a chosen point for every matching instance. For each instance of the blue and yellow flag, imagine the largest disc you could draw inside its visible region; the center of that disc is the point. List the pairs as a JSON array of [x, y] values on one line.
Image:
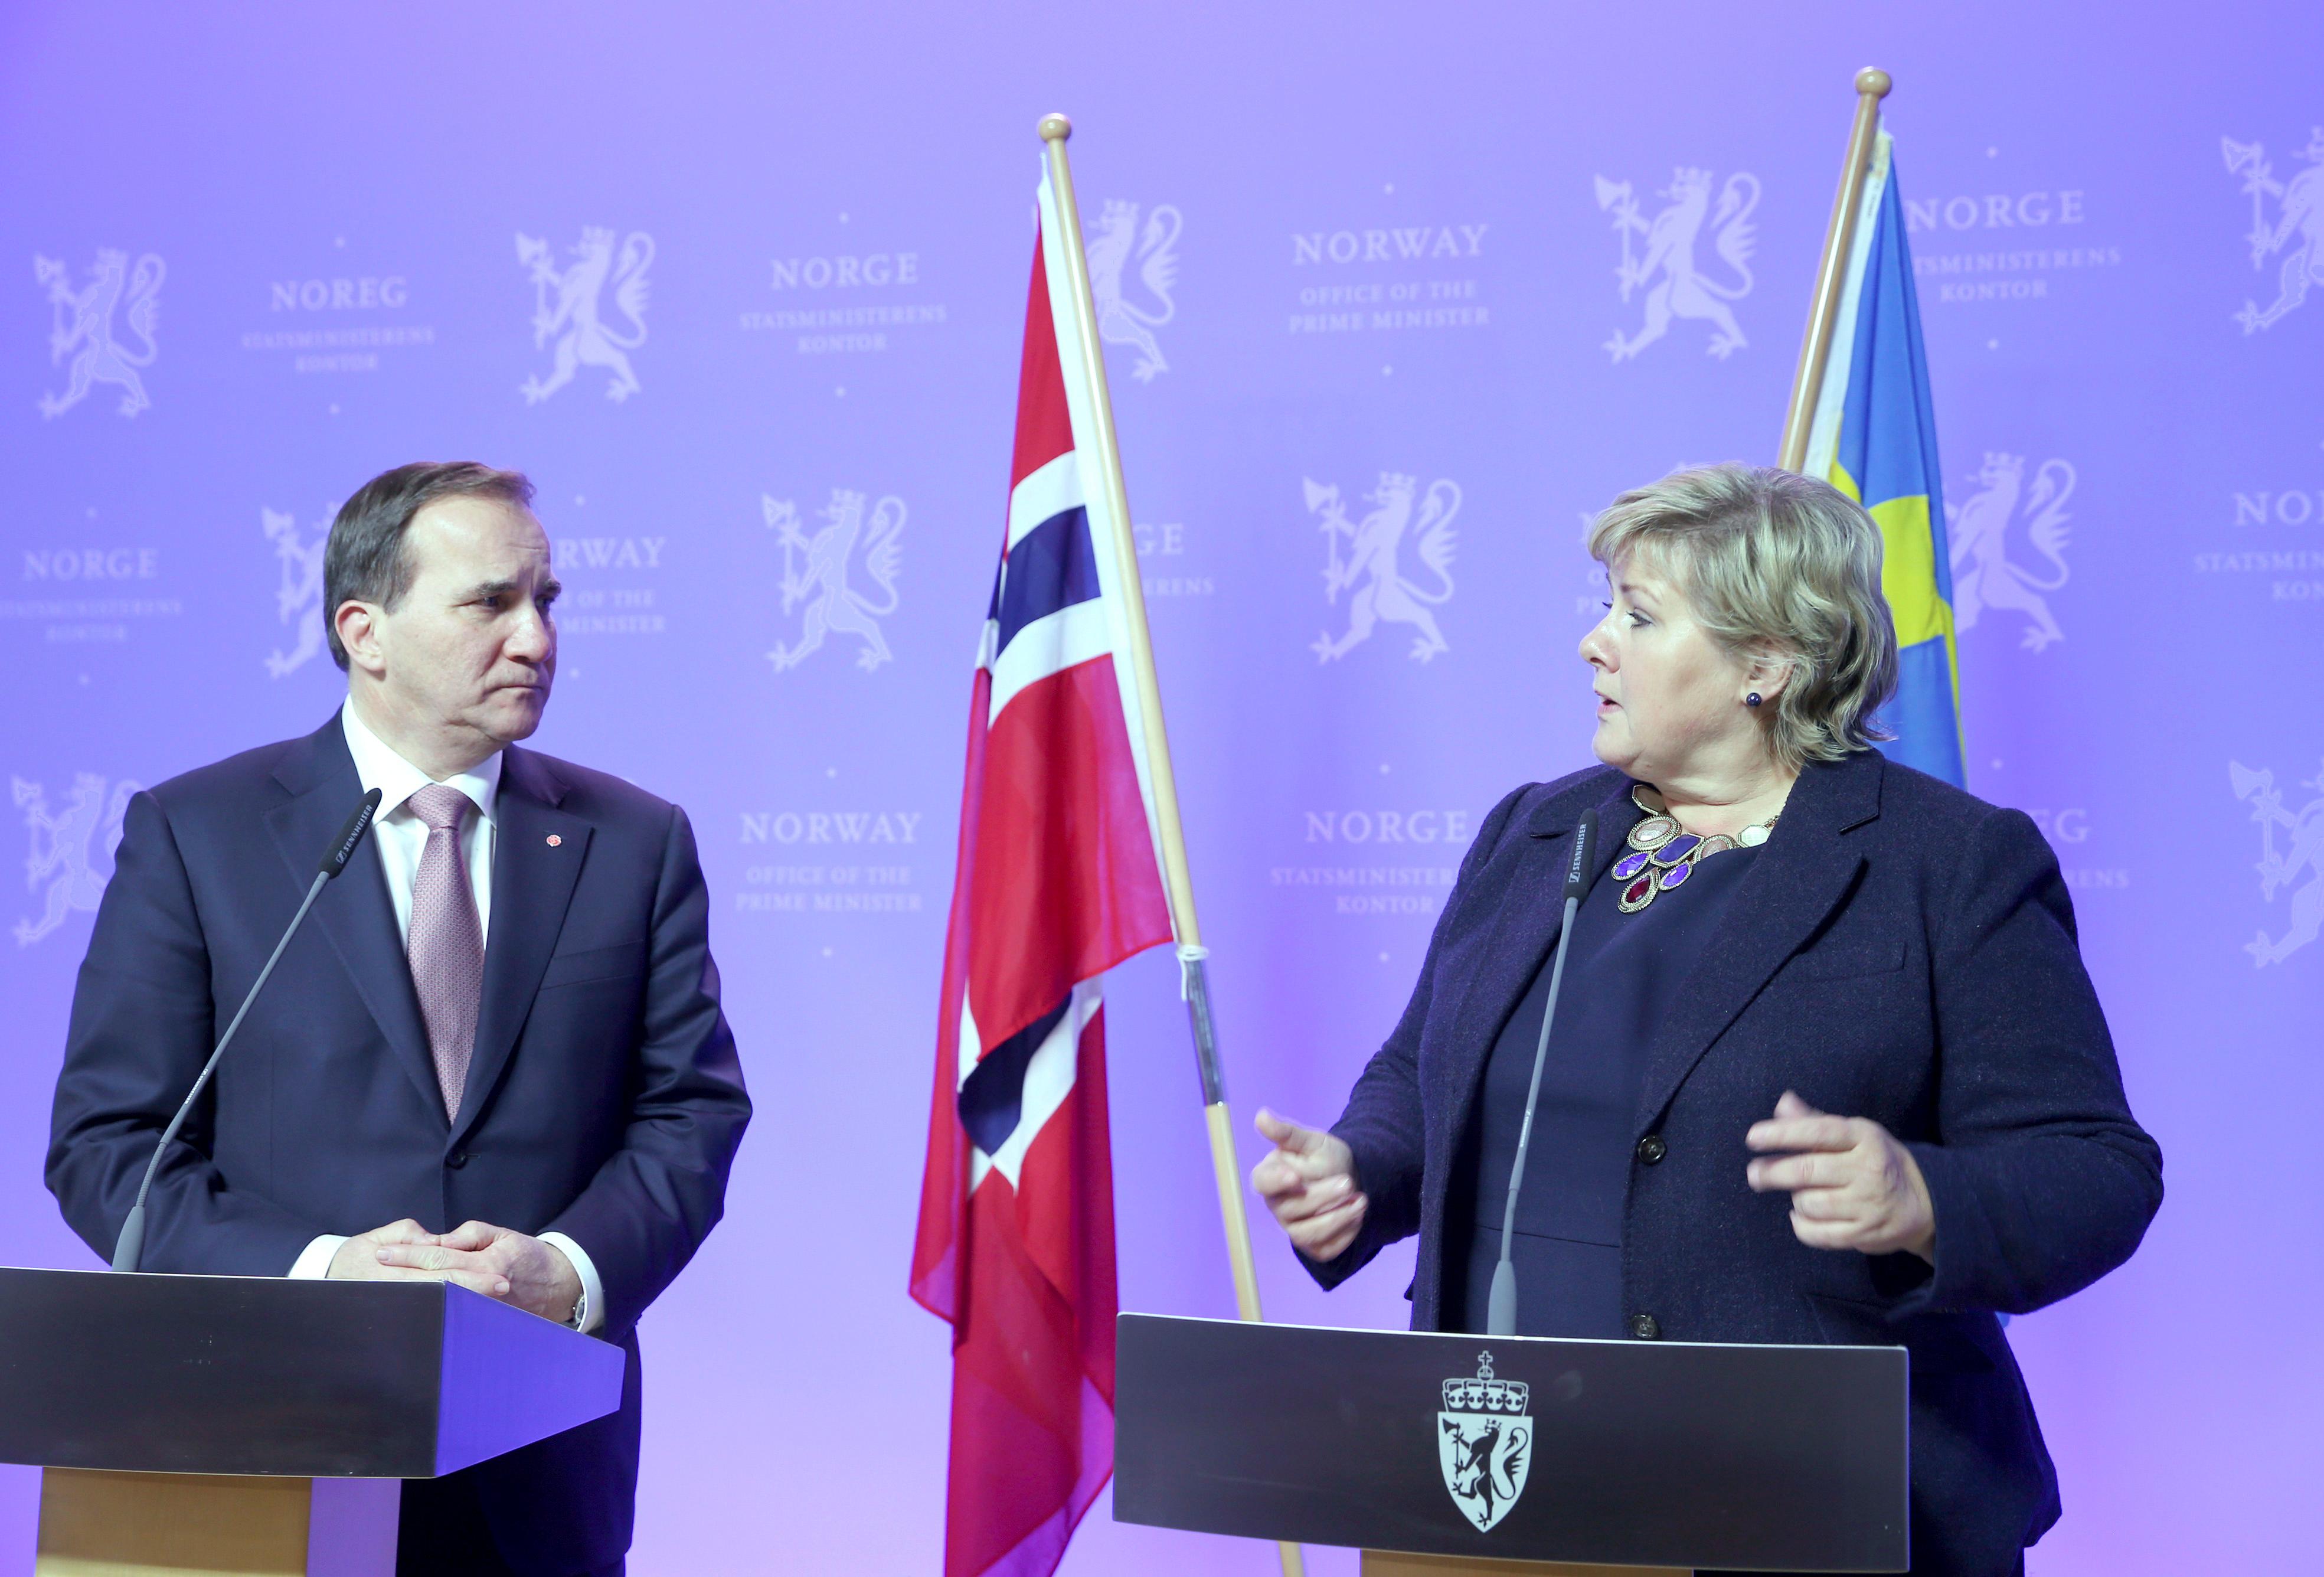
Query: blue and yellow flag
[[1874, 439]]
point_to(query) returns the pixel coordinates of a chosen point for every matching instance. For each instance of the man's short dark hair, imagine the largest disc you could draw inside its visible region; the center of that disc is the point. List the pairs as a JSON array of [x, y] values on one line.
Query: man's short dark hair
[[365, 561]]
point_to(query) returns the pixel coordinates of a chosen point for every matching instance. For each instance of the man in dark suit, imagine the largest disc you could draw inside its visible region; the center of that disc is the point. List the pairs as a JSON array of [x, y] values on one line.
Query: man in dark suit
[[495, 1054]]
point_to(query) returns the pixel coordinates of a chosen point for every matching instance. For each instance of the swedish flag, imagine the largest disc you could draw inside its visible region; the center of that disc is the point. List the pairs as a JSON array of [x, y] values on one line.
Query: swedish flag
[[1874, 439]]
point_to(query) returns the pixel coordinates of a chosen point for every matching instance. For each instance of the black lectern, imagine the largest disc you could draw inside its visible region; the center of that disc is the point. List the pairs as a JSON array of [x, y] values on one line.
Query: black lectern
[[245, 1425], [1457, 1453]]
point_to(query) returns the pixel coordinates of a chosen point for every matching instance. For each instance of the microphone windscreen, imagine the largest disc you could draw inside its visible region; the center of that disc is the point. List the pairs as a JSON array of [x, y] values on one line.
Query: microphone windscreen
[[334, 858], [1584, 859]]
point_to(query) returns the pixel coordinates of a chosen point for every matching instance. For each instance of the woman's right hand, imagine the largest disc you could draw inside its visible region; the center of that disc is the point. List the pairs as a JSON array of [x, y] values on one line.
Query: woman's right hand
[[1309, 1182]]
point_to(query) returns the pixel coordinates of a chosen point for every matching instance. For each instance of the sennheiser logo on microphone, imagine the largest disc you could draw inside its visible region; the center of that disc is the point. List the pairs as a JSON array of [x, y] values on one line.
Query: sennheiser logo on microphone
[[351, 834], [1578, 857]]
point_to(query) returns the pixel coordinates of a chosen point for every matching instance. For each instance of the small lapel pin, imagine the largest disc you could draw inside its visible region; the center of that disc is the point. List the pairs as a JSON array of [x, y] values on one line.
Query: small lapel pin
[[554, 840]]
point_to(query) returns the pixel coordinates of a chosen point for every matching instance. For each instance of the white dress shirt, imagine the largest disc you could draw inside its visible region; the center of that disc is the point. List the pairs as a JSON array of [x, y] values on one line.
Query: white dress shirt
[[402, 837]]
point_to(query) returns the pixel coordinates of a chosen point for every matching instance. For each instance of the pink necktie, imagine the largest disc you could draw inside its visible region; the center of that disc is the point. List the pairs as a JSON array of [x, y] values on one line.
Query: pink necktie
[[445, 946]]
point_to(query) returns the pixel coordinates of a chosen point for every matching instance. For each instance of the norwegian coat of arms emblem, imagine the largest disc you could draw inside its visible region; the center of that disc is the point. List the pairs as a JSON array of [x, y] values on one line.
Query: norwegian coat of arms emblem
[[1985, 578], [299, 601], [67, 844], [1484, 1442], [2300, 214], [1132, 318], [82, 327], [567, 306], [2282, 865], [1373, 544], [834, 607], [1666, 267]]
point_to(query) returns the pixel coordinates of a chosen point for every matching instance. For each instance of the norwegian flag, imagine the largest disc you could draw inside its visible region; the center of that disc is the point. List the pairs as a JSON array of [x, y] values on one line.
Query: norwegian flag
[[1058, 883]]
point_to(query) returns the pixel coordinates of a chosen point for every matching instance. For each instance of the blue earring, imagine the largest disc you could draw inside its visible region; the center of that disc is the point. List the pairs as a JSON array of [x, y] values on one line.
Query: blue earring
[[1752, 699]]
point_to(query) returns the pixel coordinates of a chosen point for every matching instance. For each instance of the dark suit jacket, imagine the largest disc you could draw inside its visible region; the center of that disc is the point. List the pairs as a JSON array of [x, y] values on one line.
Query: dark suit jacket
[[1902, 951], [603, 1101]]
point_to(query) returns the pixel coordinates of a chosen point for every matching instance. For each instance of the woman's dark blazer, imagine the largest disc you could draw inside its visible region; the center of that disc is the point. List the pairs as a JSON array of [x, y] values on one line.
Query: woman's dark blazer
[[1901, 951]]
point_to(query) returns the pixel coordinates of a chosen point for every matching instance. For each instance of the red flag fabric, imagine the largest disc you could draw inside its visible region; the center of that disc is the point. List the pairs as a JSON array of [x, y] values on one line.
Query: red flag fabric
[[1056, 882]]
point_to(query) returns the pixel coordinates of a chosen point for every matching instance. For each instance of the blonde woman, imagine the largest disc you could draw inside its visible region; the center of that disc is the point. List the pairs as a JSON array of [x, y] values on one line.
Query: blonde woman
[[1826, 1065]]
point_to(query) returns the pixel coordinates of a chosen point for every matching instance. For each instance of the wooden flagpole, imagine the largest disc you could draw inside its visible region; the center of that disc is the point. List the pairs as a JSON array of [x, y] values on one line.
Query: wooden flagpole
[[1054, 129], [1872, 86]]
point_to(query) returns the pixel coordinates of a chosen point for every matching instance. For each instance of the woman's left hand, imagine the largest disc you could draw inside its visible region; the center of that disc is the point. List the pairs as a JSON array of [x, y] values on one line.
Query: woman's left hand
[[1852, 1185]]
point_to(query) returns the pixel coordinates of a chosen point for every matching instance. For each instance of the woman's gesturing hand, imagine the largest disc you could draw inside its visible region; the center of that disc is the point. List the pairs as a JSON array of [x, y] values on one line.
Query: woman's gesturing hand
[[1309, 1182], [1852, 1185]]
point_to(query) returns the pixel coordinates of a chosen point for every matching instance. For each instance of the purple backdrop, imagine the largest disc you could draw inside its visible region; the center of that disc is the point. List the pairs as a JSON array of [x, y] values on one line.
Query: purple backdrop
[[1352, 244]]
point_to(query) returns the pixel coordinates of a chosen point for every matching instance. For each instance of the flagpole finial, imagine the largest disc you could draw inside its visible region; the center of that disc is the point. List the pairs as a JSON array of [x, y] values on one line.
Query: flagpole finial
[[1872, 85], [1054, 128]]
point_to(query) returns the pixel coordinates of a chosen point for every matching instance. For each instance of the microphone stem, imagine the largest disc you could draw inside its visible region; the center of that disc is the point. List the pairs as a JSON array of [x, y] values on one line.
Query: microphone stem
[[1503, 1307], [132, 1232], [1533, 1091]]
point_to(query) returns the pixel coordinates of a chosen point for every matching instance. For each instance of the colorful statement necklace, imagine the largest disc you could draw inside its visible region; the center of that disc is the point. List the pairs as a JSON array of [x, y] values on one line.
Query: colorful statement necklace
[[1664, 854]]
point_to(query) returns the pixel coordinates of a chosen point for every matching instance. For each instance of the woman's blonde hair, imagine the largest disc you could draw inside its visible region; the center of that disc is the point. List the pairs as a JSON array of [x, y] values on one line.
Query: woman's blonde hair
[[1780, 566]]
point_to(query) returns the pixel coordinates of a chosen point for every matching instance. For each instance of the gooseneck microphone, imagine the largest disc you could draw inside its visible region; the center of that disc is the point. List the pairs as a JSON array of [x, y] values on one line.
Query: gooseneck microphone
[[131, 1243], [1501, 1311]]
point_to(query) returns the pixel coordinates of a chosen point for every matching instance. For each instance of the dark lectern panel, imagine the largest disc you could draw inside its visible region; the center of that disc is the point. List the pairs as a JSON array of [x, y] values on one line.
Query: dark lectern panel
[[1660, 1454], [219, 1374]]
